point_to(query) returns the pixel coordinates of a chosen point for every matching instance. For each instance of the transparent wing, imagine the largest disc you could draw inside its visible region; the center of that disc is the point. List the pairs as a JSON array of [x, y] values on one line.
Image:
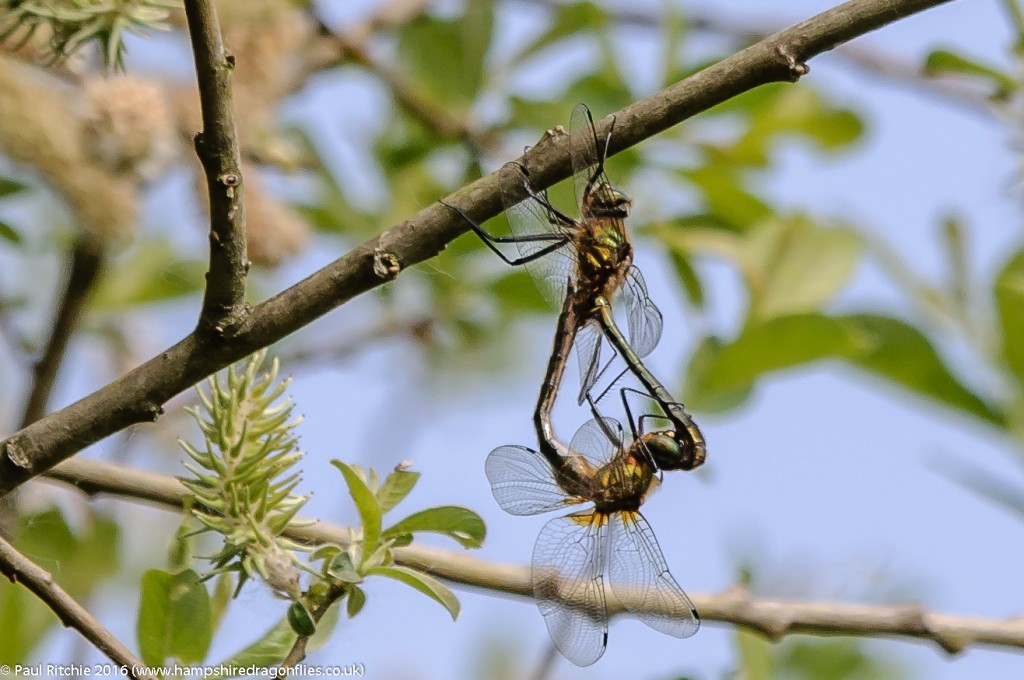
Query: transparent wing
[[528, 214], [643, 317], [522, 483], [587, 152], [588, 352], [568, 563], [641, 580], [584, 153], [597, 440]]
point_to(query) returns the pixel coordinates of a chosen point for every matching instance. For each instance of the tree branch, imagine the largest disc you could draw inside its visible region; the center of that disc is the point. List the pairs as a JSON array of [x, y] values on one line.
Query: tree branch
[[138, 396], [224, 305], [86, 264], [20, 569], [772, 618]]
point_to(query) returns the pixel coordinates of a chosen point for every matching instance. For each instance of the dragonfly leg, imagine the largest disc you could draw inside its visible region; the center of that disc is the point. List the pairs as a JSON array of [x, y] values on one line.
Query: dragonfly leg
[[600, 374], [489, 239], [615, 437], [555, 216]]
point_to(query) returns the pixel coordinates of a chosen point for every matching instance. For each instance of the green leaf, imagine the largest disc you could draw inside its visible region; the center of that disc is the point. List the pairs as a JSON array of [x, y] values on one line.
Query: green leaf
[[956, 259], [174, 618], [687, 276], [224, 587], [366, 504], [356, 601], [78, 561], [301, 620], [944, 62], [343, 569], [269, 650], [833, 659], [461, 524], [445, 58], [702, 393], [901, 353], [9, 234], [10, 187], [722, 375], [755, 656], [273, 646], [1009, 299], [151, 272], [726, 373], [567, 20], [799, 265], [396, 487], [428, 585], [724, 195]]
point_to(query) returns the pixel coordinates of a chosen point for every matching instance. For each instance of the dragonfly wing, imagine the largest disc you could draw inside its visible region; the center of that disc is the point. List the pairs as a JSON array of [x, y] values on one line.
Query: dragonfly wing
[[641, 580], [584, 152], [588, 153], [522, 483], [643, 316], [597, 440], [588, 352], [568, 563], [528, 215]]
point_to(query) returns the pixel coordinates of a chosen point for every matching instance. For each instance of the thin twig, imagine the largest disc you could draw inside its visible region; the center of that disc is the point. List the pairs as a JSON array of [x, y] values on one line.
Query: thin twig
[[352, 46], [86, 263], [139, 395], [224, 305], [335, 591], [20, 569], [773, 618]]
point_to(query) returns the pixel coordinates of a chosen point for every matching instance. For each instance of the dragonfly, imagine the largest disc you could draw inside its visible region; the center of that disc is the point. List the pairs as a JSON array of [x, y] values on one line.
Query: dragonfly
[[574, 552], [581, 266]]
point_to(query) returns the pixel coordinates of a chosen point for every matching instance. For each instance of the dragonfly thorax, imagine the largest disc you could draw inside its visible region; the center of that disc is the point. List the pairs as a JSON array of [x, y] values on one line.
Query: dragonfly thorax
[[604, 200], [622, 484], [605, 256]]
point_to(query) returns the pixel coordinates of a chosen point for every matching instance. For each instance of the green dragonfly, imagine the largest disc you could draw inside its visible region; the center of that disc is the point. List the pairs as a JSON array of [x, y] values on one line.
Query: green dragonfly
[[574, 552], [581, 266]]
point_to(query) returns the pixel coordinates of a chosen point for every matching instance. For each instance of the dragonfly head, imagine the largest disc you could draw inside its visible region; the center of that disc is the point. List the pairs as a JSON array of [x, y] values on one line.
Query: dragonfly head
[[607, 201], [670, 453]]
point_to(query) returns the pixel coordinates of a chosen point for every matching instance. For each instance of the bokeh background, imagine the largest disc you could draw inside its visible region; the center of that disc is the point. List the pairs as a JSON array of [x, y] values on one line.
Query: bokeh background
[[837, 262]]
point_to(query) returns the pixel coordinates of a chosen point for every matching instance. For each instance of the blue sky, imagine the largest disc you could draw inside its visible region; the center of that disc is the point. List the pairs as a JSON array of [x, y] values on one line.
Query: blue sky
[[822, 479]]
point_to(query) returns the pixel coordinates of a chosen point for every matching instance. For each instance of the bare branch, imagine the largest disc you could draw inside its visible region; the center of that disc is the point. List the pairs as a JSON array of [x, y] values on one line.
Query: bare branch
[[138, 396], [20, 569], [224, 306], [773, 618], [86, 263]]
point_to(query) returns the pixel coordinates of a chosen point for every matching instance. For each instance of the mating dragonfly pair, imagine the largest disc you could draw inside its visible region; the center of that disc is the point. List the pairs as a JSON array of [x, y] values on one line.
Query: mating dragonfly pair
[[582, 266]]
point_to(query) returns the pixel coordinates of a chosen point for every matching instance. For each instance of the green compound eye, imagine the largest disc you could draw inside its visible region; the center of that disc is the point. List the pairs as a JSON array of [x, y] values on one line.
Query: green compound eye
[[666, 451]]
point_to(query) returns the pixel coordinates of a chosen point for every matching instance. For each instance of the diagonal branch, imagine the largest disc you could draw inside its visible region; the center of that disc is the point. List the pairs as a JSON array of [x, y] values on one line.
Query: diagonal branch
[[224, 306], [772, 618], [20, 569], [86, 264], [139, 395]]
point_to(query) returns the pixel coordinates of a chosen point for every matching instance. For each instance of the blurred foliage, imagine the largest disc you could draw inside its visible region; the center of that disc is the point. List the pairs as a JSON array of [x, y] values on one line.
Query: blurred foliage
[[74, 24], [801, 658], [78, 561], [699, 198]]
